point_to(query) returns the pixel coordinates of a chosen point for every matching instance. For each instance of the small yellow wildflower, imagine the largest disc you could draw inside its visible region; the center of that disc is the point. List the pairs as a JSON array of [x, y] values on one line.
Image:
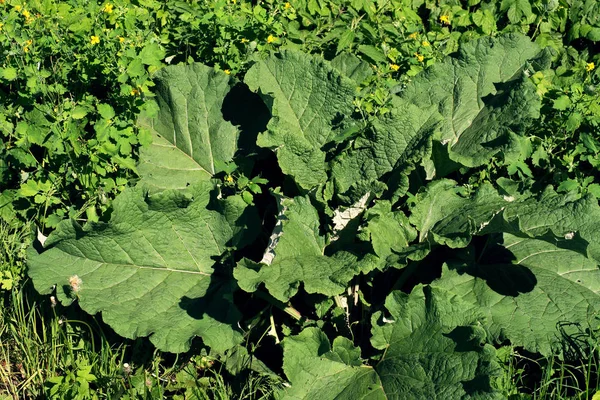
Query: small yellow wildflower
[[229, 179], [413, 35], [29, 42], [425, 43], [26, 49], [94, 39], [26, 14], [445, 19], [108, 8], [134, 92], [420, 57], [1, 25], [75, 283], [271, 39], [394, 67], [287, 5], [18, 8], [244, 40], [590, 66], [121, 39], [227, 71]]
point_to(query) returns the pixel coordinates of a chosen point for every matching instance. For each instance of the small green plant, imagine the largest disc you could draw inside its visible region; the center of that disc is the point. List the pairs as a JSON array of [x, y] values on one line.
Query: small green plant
[[13, 241]]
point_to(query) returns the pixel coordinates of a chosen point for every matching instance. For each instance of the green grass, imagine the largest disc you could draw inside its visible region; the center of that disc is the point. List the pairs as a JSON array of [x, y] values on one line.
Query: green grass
[[571, 374], [47, 355]]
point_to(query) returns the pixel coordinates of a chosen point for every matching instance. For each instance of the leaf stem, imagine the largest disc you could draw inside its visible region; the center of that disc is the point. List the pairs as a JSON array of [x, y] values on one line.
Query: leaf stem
[[287, 308]]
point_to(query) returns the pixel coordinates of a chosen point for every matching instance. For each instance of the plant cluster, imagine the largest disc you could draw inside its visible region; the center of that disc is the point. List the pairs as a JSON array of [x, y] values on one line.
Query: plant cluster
[[342, 194], [394, 279]]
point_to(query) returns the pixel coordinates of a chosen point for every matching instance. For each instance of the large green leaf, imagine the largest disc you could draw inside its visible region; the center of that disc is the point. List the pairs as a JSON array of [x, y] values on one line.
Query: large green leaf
[[482, 93], [565, 215], [190, 136], [446, 213], [151, 270], [528, 287], [309, 100], [395, 142], [318, 370], [434, 348], [388, 231], [352, 66], [297, 255]]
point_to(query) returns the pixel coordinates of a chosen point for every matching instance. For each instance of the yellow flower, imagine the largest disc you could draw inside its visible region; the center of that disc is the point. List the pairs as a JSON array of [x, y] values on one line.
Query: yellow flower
[[244, 40], [420, 57], [1, 25], [590, 66], [394, 67], [425, 43], [94, 39], [445, 19], [108, 8], [29, 42], [227, 71], [26, 14], [134, 92], [271, 39], [287, 5], [121, 39], [18, 8], [229, 179], [26, 49], [413, 35]]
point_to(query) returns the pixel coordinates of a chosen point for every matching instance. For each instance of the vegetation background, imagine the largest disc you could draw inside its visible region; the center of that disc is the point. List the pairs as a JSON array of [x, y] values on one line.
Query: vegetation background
[[74, 76]]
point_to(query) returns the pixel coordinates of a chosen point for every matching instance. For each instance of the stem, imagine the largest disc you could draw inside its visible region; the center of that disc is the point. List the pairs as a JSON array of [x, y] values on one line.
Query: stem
[[273, 330], [340, 302], [287, 308]]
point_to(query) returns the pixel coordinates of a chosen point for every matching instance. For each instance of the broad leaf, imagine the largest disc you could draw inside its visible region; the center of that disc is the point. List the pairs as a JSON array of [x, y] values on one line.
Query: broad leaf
[[562, 215], [309, 100], [447, 214], [388, 231], [393, 143], [481, 93], [517, 9], [352, 66], [529, 288], [190, 136], [299, 258], [433, 348], [151, 270], [318, 370]]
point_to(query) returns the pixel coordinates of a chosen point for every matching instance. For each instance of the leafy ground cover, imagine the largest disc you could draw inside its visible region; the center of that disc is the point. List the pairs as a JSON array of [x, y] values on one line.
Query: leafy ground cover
[[316, 199]]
